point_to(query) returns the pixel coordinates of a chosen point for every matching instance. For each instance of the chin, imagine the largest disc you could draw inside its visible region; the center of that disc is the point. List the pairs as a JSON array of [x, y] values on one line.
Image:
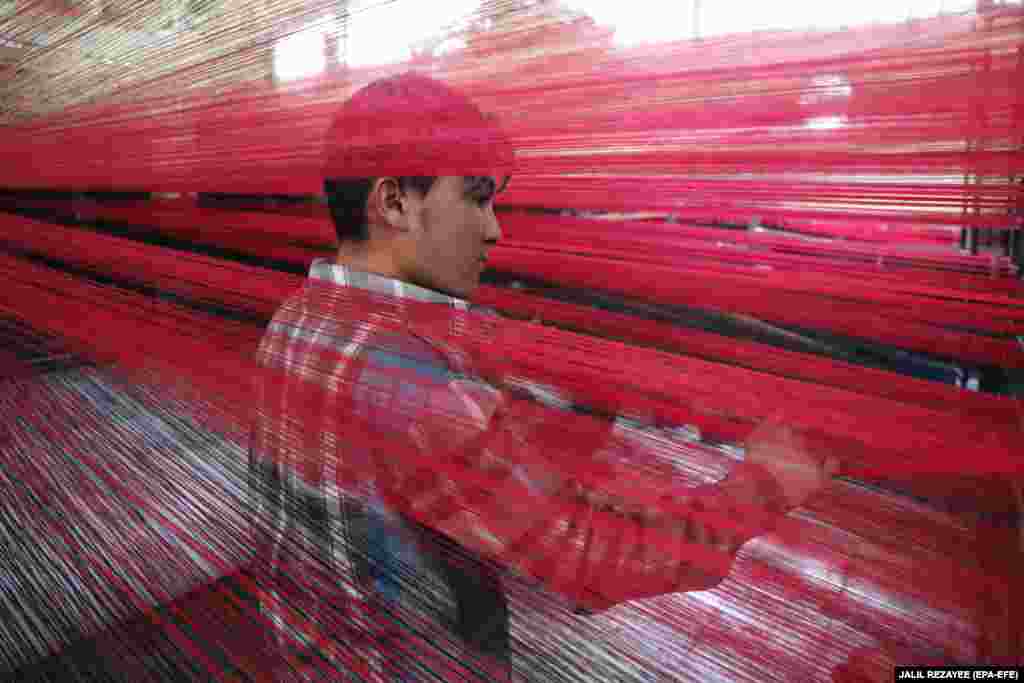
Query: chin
[[461, 290]]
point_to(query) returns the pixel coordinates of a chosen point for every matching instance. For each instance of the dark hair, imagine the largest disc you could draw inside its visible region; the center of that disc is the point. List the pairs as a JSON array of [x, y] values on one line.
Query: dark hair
[[347, 201]]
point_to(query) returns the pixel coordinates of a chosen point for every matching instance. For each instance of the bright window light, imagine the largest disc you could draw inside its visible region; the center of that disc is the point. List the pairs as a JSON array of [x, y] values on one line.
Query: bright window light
[[719, 18], [648, 21], [640, 21], [386, 32], [301, 55], [450, 45]]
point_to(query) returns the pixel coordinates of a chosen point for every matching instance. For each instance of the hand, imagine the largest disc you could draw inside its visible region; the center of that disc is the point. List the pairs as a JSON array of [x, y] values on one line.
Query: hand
[[479, 401], [784, 454]]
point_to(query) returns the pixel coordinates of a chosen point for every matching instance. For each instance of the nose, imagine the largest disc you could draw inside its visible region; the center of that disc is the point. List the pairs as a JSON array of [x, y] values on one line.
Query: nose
[[492, 228]]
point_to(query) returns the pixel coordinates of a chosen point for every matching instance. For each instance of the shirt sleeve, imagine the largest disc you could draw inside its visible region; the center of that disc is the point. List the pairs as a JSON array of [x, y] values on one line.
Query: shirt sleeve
[[516, 487]]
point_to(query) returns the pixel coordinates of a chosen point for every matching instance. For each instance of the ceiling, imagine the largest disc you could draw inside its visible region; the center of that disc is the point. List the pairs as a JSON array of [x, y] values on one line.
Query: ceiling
[[57, 53]]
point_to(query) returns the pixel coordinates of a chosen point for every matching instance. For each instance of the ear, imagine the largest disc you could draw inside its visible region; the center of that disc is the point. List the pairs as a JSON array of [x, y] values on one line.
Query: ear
[[387, 205]]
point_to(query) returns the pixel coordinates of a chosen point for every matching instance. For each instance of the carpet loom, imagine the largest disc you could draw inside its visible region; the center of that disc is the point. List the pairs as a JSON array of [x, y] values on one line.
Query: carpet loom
[[814, 227]]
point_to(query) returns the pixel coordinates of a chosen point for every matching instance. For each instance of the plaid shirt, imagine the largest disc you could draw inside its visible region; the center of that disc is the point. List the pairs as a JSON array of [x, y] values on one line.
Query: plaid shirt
[[318, 510], [302, 512]]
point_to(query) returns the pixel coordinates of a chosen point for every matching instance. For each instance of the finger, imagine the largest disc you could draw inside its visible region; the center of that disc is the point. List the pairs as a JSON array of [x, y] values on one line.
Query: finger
[[832, 466], [717, 536], [727, 542], [649, 516], [795, 439], [682, 528], [698, 532], [767, 429]]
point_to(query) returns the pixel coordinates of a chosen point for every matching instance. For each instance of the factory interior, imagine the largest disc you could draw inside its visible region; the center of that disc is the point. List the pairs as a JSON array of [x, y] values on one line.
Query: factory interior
[[732, 232]]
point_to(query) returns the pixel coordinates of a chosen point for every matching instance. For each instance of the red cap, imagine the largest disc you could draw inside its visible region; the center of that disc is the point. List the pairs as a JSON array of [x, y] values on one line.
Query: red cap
[[412, 125]]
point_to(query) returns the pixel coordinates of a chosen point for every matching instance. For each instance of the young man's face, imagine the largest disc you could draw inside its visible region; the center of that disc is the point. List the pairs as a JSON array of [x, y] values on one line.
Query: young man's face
[[450, 232]]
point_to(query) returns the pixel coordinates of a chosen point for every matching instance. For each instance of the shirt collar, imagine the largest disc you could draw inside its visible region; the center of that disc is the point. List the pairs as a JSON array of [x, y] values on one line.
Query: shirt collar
[[322, 269]]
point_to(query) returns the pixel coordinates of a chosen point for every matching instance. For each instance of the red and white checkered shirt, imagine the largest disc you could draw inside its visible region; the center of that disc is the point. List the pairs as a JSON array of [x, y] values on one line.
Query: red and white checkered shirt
[[302, 343], [307, 524]]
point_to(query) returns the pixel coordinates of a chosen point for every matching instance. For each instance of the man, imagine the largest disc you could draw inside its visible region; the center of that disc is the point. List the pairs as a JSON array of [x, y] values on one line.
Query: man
[[411, 174], [417, 236]]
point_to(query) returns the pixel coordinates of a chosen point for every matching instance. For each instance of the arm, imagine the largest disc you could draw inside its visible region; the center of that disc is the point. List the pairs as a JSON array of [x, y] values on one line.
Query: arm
[[535, 491]]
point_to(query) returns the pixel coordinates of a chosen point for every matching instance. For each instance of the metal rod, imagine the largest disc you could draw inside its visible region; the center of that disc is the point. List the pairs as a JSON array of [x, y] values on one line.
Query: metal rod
[[1017, 251]]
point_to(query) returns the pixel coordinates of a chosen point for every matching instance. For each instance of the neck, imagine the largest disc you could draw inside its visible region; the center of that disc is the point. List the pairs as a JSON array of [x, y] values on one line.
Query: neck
[[363, 257]]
